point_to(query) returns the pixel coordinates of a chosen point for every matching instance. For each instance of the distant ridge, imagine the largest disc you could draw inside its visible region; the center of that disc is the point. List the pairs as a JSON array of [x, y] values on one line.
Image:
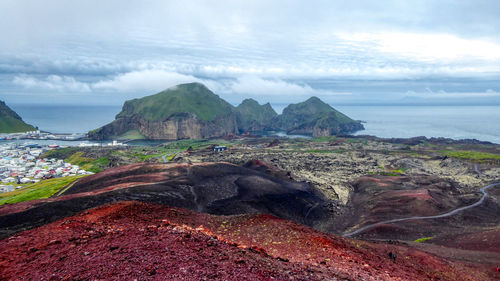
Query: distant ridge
[[11, 122], [192, 111]]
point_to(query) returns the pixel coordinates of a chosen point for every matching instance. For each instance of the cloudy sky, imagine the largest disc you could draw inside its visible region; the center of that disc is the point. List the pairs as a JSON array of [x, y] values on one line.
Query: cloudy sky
[[346, 52]]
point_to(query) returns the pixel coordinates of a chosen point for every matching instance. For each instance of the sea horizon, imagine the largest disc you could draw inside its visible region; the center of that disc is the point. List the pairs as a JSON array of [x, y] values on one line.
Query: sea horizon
[[386, 121]]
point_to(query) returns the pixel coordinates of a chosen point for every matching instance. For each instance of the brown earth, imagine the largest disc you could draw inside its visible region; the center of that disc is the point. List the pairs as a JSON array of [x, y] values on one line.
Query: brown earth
[[482, 240]]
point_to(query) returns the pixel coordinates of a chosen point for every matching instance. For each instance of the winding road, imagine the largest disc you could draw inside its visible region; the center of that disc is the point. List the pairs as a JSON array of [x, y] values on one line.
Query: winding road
[[451, 213]]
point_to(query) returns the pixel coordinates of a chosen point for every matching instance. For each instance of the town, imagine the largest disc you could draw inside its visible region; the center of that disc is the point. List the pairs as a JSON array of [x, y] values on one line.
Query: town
[[21, 164], [40, 135]]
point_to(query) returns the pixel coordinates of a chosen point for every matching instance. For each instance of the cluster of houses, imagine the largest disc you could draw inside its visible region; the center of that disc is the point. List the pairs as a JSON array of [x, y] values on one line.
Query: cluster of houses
[[38, 135], [21, 164]]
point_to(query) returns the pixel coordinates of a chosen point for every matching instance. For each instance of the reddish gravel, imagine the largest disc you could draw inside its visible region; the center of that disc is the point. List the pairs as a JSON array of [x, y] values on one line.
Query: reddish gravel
[[128, 241], [131, 240]]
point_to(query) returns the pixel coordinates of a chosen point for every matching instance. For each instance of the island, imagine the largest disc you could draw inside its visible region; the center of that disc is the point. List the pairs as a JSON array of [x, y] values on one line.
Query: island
[[192, 111]]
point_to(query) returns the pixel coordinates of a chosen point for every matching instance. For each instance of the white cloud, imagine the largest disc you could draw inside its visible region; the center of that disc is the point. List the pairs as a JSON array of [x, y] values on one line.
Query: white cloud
[[144, 81], [52, 83], [428, 93], [154, 80], [256, 86], [427, 46]]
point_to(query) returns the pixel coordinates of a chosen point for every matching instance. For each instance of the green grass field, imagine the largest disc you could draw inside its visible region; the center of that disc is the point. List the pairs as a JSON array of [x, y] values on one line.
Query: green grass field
[[75, 157], [39, 190], [470, 155]]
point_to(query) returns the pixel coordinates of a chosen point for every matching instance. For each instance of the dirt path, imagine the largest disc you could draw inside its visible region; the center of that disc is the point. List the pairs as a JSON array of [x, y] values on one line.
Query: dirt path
[[451, 213]]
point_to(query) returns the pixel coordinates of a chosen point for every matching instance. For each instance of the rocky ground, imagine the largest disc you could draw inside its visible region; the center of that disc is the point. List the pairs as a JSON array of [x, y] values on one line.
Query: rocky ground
[[334, 166]]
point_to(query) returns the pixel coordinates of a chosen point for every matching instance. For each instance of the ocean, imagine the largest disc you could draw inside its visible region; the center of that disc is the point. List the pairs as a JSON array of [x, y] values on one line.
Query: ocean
[[456, 122]]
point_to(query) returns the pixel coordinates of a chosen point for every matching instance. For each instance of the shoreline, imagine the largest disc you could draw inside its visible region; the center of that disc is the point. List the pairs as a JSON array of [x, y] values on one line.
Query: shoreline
[[280, 135]]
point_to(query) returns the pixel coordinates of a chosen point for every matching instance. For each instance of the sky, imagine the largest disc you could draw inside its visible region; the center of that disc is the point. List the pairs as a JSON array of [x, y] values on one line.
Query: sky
[[345, 52]]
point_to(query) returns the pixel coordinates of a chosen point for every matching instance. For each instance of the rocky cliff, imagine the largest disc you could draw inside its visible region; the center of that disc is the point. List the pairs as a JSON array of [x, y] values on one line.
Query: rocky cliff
[[316, 118], [11, 122], [187, 111]]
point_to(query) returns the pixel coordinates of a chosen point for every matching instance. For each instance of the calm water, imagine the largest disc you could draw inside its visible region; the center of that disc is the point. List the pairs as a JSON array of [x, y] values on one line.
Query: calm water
[[457, 122], [66, 118]]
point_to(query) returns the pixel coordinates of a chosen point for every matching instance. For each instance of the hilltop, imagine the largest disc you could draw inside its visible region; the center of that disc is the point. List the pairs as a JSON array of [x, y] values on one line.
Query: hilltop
[[11, 122], [192, 111]]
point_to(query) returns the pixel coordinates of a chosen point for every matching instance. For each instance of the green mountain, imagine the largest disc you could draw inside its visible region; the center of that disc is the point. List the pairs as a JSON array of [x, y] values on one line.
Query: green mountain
[[193, 98], [192, 111], [255, 117], [314, 117], [184, 111], [11, 122]]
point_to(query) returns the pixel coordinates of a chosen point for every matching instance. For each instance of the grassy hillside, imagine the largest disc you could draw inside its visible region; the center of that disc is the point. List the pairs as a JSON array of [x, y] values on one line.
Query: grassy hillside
[[313, 108], [10, 122], [311, 112], [74, 156], [39, 190], [193, 98]]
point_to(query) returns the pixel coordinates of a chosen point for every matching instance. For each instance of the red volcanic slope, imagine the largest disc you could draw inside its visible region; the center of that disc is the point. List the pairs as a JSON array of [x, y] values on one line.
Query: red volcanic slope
[[131, 240], [487, 240]]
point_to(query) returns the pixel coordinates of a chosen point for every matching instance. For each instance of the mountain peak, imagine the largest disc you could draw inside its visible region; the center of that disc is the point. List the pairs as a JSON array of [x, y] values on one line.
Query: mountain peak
[[249, 101], [314, 99], [253, 116]]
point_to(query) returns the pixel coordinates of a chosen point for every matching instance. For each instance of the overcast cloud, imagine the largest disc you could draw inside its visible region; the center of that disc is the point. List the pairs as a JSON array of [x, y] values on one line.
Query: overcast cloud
[[280, 51]]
